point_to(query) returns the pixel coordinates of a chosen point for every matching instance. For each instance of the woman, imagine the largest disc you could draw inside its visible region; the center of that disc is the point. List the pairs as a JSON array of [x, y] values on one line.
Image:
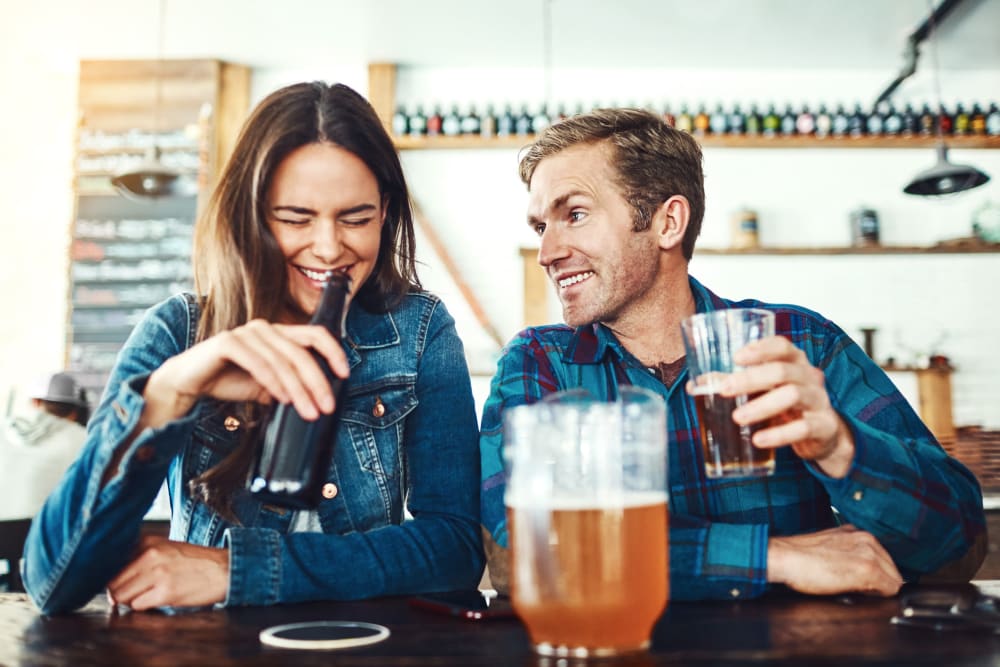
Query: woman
[[314, 185]]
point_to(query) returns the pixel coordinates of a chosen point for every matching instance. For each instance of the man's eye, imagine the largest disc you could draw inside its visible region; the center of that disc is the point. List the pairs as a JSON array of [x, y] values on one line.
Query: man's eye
[[576, 216], [539, 228]]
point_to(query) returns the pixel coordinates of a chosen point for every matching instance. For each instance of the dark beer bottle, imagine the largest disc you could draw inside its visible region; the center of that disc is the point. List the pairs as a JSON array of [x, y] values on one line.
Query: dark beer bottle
[[294, 456]]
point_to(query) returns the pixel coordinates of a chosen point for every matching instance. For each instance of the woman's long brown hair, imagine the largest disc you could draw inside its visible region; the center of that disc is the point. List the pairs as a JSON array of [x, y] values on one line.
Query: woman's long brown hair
[[238, 266]]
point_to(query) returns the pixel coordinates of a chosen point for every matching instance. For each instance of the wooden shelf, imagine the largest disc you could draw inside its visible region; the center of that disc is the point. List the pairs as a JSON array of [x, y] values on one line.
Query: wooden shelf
[[442, 142], [851, 250]]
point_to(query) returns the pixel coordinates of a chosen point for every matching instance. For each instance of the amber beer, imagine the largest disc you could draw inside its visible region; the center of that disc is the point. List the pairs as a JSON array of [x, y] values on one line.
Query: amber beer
[[728, 448], [589, 579]]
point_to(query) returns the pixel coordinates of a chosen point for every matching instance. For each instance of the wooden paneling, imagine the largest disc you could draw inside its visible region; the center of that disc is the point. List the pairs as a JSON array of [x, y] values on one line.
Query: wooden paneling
[[536, 289], [382, 91]]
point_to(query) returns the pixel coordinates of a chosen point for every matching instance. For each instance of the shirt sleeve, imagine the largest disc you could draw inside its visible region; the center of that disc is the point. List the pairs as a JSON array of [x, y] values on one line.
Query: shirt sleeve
[[923, 505], [84, 534], [439, 549]]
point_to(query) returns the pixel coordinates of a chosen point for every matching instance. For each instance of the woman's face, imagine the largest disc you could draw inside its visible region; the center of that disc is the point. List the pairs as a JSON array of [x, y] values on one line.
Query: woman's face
[[325, 210]]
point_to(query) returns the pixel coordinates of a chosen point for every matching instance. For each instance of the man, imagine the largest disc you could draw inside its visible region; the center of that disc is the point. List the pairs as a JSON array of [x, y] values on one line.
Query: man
[[617, 198], [36, 449]]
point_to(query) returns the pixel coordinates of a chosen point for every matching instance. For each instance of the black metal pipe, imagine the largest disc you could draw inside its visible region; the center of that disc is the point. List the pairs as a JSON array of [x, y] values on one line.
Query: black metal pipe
[[911, 51]]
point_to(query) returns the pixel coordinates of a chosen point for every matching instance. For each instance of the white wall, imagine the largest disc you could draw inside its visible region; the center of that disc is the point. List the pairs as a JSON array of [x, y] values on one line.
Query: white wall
[[803, 196]]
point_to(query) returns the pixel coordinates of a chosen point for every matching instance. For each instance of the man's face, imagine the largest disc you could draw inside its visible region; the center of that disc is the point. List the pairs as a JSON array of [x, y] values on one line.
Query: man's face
[[602, 270]]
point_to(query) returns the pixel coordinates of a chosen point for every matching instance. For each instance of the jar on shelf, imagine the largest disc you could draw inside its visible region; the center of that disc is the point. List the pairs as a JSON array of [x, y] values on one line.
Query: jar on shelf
[[743, 226]]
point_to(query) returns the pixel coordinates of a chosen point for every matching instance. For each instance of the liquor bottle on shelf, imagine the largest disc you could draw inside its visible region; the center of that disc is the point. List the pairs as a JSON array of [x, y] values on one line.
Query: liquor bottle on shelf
[[841, 122], [522, 124], [434, 122], [911, 121], [977, 121], [668, 116], [788, 121], [737, 122], [470, 123], [945, 121], [805, 122], [875, 122], [961, 126], [857, 122], [451, 123], [294, 457], [754, 122], [418, 122], [892, 123], [718, 122], [488, 124], [685, 122], [540, 120], [993, 121], [400, 123], [701, 121], [928, 121], [824, 122], [505, 122], [772, 122]]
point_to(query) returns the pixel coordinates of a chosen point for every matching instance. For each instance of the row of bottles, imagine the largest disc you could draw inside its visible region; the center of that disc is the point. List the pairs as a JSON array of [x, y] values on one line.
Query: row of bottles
[[833, 121]]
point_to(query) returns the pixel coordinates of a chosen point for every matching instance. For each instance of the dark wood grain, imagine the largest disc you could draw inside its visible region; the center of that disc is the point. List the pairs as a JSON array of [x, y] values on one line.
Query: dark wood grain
[[782, 628]]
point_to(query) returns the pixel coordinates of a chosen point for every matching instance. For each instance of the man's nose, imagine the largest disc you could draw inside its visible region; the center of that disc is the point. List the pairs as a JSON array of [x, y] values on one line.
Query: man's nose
[[552, 248]]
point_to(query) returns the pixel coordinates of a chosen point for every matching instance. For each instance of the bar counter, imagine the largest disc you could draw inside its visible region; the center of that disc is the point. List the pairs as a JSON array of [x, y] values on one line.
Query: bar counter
[[780, 628]]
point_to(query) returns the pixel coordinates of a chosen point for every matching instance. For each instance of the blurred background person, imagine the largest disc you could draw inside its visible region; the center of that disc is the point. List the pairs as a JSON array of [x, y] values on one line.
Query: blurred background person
[[36, 448]]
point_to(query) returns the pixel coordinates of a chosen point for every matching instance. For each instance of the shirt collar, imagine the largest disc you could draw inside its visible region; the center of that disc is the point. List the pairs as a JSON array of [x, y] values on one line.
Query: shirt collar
[[589, 343]]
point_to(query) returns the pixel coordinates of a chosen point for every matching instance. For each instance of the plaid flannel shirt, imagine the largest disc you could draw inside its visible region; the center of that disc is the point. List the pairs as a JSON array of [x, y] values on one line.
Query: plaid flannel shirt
[[923, 506]]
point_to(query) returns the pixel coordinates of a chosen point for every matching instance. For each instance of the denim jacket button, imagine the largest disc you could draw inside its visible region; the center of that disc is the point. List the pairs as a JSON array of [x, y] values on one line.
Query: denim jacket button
[[329, 490], [379, 408], [231, 423]]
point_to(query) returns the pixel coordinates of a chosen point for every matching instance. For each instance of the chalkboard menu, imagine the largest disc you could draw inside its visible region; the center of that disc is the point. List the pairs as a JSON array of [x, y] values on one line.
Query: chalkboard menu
[[126, 256]]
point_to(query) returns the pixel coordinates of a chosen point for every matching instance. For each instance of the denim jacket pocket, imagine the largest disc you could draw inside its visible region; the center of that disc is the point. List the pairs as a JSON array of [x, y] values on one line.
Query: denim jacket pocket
[[373, 421]]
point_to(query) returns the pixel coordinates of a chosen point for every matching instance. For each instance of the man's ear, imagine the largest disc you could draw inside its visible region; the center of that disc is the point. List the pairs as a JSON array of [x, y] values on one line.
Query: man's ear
[[671, 221]]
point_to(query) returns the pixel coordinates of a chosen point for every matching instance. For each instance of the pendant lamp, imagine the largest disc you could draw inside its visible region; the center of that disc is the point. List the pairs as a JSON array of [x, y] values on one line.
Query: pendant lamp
[[944, 178], [151, 179]]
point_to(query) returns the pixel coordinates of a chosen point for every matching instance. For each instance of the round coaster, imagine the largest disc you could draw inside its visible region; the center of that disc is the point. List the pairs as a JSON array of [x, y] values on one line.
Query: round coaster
[[324, 635]]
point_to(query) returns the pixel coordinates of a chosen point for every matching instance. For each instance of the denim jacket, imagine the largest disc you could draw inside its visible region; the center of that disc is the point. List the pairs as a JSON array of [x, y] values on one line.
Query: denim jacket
[[407, 439]]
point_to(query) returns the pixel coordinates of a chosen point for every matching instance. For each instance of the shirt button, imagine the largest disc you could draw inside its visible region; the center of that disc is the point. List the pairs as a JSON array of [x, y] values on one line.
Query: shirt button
[[858, 495], [329, 490], [144, 453], [231, 423], [379, 408], [735, 592]]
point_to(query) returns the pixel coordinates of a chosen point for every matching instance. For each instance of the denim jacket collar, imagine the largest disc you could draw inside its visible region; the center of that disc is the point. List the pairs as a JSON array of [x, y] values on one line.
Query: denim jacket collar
[[368, 331]]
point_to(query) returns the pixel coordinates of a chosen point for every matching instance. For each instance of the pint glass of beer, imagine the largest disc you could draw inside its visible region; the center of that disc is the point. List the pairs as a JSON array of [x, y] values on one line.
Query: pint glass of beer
[[710, 341], [587, 519]]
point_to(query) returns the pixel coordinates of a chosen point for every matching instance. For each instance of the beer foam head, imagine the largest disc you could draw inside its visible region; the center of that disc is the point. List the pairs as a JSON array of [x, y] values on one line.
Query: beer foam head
[[604, 501]]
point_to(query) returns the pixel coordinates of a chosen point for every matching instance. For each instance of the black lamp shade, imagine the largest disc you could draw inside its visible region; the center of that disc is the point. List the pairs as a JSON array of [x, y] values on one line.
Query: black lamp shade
[[945, 178], [151, 179]]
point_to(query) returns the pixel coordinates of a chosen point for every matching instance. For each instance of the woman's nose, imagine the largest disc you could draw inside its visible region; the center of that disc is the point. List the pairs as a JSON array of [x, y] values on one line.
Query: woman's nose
[[326, 246]]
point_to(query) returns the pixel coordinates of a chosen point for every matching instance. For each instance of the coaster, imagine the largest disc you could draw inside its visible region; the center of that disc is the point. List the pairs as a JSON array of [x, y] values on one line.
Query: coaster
[[324, 635]]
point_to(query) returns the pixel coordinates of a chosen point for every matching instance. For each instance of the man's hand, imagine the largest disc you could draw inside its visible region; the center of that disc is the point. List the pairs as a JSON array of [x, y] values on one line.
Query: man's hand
[[837, 560], [794, 399], [166, 573]]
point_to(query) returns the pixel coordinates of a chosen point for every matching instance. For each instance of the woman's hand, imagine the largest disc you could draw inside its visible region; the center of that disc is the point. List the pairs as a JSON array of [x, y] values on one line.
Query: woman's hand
[[259, 361], [166, 573], [794, 400]]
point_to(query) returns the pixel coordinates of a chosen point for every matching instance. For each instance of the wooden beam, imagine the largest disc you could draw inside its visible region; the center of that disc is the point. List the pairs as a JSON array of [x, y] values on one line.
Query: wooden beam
[[456, 274], [536, 289], [382, 91]]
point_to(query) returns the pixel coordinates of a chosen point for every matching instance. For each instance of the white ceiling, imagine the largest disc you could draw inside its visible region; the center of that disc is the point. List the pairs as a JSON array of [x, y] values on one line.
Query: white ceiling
[[763, 34]]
